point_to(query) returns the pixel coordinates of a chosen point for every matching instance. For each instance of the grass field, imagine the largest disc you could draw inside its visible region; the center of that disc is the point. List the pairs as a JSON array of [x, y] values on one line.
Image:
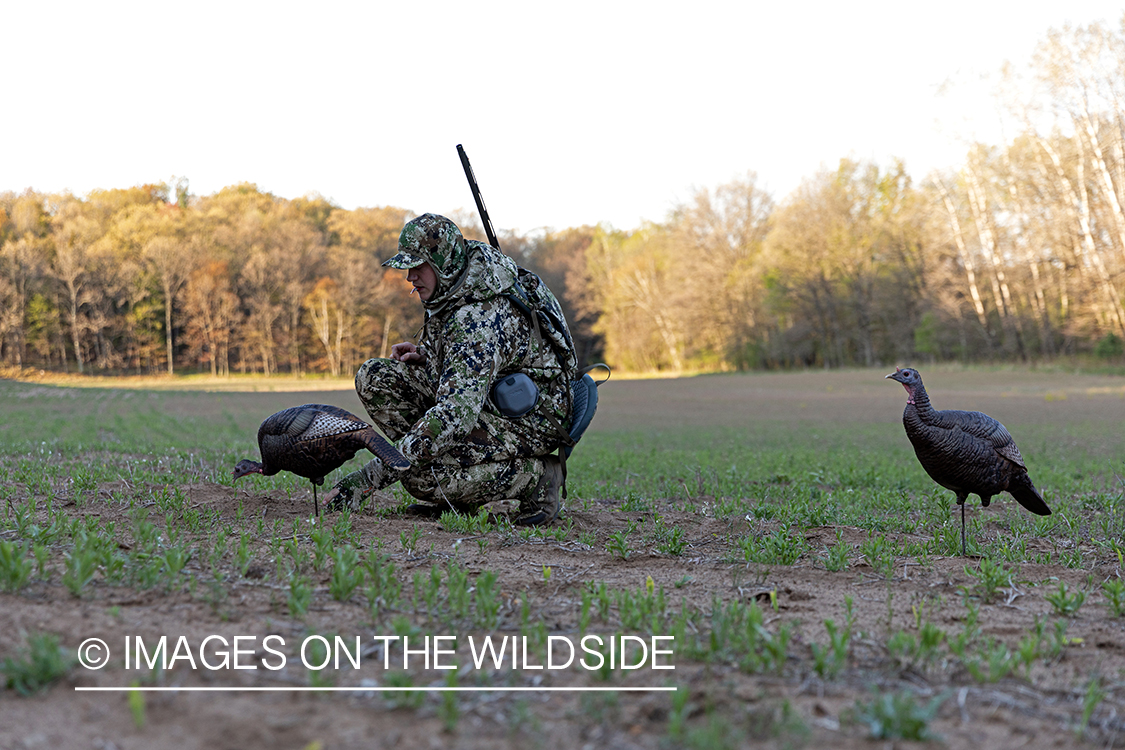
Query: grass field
[[777, 526]]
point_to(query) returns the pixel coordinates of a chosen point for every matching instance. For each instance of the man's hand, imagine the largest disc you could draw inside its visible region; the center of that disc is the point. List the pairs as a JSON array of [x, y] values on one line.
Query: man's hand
[[407, 352], [348, 492]]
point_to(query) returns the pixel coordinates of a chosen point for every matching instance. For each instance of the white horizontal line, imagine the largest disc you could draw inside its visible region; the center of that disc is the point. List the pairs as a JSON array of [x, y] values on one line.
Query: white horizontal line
[[443, 689]]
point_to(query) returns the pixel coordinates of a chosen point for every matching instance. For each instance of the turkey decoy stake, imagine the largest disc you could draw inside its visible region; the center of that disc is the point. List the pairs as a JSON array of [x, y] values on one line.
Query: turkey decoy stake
[[965, 451], [314, 440]]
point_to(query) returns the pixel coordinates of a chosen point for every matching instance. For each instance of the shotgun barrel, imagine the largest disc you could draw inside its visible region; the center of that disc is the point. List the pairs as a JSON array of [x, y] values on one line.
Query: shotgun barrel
[[488, 230]]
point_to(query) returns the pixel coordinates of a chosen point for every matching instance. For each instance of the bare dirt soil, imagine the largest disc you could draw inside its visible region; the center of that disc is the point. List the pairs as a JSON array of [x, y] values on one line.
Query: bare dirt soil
[[724, 707]]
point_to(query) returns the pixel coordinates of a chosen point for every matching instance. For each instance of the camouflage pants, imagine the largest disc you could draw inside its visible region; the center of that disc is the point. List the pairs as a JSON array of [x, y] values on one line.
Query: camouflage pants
[[497, 461]]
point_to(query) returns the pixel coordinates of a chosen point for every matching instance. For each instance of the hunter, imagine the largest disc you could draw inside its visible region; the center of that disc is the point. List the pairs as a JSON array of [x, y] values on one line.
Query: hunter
[[482, 401]]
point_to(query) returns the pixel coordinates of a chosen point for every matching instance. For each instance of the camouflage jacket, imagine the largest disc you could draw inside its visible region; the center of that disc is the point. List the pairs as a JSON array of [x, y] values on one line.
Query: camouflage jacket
[[473, 335]]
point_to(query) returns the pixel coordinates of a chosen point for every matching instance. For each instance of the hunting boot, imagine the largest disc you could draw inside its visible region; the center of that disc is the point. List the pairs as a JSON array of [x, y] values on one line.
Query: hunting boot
[[543, 506]]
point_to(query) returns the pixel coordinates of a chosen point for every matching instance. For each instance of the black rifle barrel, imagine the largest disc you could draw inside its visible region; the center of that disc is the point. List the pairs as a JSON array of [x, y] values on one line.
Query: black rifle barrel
[[488, 230]]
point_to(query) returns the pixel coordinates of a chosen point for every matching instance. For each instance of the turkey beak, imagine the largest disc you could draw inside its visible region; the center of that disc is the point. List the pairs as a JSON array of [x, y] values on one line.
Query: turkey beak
[[894, 375]]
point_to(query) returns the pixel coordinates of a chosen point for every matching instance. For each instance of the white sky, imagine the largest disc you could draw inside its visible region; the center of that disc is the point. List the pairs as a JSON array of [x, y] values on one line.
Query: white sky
[[572, 113]]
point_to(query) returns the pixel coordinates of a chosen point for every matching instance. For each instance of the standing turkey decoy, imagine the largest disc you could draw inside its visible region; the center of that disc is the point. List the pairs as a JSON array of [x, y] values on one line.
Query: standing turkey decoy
[[965, 451], [314, 440]]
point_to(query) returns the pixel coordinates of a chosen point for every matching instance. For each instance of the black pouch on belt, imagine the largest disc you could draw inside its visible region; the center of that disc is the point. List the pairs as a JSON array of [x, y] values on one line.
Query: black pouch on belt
[[515, 394]]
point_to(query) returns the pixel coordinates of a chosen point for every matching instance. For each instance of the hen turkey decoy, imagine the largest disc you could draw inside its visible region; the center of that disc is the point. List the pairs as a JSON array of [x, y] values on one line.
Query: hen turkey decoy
[[965, 451], [313, 440]]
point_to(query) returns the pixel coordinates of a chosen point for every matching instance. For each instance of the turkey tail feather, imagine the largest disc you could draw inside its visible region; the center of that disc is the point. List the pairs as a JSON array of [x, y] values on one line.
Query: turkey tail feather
[[378, 445], [1026, 495]]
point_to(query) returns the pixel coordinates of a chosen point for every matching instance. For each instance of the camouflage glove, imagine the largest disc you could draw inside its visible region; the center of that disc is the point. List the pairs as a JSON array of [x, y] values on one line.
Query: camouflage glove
[[354, 488]]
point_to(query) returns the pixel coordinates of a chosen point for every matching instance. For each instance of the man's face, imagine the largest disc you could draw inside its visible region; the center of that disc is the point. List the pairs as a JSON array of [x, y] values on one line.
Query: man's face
[[424, 280]]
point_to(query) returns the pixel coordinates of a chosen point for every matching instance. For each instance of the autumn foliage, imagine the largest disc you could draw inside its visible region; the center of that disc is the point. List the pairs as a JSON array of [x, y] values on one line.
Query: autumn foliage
[[1018, 253]]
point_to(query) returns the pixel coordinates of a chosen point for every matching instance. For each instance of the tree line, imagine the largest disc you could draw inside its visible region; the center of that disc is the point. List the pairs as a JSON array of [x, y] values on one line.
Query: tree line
[[1017, 254], [152, 279]]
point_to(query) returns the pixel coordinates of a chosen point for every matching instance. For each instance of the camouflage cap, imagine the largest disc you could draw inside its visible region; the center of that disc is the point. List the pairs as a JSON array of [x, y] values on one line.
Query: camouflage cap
[[405, 261], [430, 239]]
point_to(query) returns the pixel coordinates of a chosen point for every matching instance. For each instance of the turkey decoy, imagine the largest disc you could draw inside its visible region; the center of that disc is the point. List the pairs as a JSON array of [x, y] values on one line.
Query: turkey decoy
[[965, 451], [312, 441]]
